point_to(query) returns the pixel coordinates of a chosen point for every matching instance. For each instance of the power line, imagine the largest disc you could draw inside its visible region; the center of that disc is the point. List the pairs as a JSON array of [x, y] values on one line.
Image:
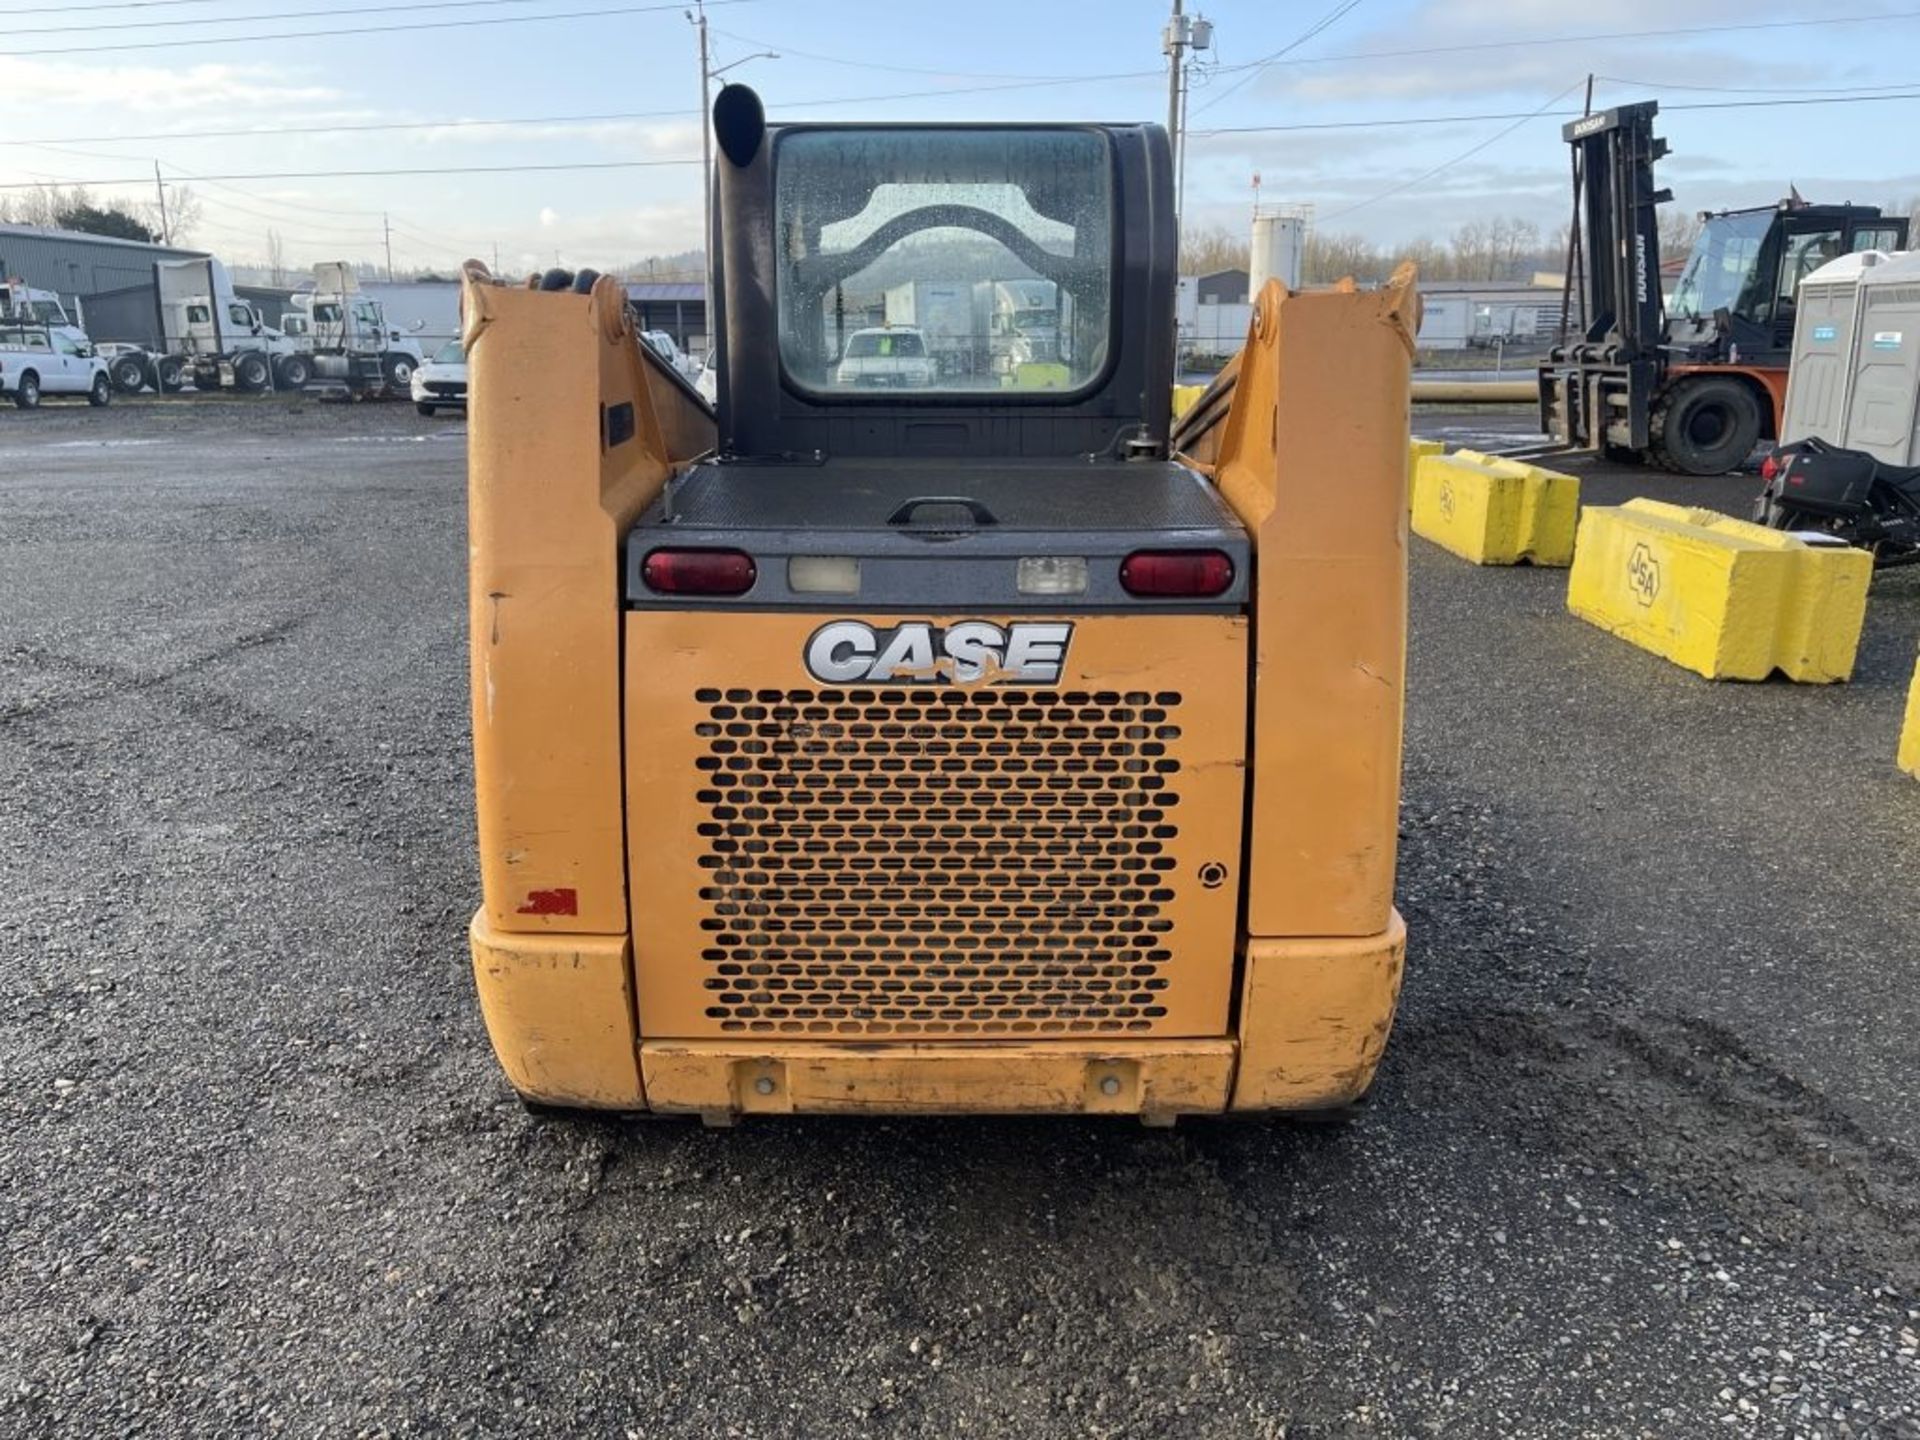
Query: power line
[[267, 199], [251, 132], [377, 174], [679, 112], [1468, 47], [204, 40], [1404, 120], [37, 10], [786, 49], [272, 17], [1326, 21], [1757, 89], [279, 220], [1466, 154]]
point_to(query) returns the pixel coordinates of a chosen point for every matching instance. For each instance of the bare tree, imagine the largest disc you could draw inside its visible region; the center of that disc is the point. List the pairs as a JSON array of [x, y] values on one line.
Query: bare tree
[[1516, 240], [182, 217], [276, 260], [1206, 249], [183, 213], [1336, 255], [1474, 251], [42, 205], [1433, 260], [1678, 230]]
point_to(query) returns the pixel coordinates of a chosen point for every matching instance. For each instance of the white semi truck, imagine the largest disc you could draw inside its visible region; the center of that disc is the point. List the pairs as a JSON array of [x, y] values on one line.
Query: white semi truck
[[1029, 317], [983, 329], [352, 349], [22, 304], [209, 337], [954, 318]]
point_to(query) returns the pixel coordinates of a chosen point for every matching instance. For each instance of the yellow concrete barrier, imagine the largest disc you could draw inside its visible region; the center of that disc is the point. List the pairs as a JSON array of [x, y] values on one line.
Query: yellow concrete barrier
[[1719, 596], [1910, 732], [1494, 511], [1416, 450], [1184, 396]]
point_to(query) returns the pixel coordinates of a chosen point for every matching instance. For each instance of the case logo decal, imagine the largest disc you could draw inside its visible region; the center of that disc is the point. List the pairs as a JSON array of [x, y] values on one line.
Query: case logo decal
[[972, 652]]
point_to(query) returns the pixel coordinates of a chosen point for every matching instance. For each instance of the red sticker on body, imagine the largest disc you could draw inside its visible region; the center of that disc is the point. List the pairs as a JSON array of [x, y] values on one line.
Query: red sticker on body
[[551, 902]]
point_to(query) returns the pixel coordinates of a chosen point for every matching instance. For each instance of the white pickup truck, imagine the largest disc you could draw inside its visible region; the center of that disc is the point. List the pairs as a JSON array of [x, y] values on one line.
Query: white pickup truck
[[38, 360]]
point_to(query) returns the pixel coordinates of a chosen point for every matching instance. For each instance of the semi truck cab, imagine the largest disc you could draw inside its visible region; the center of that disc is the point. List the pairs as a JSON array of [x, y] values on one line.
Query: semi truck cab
[[954, 748]]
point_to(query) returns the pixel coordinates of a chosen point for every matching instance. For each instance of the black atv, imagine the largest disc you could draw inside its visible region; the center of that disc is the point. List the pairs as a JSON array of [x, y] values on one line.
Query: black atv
[[1816, 487]]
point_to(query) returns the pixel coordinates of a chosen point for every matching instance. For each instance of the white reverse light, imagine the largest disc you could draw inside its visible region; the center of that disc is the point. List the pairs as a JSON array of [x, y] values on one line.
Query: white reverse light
[[823, 575], [1051, 575]]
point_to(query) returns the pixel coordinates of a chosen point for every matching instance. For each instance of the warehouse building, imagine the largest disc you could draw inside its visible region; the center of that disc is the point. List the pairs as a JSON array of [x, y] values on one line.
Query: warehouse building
[[80, 266], [1474, 314], [678, 307]]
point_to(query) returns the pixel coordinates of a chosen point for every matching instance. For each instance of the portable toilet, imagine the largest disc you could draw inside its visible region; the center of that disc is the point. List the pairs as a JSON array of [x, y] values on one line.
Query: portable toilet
[[1819, 378], [1883, 405]]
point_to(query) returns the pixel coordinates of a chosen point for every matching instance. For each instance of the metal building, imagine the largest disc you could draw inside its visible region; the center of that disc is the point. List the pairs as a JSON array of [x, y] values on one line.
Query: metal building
[[675, 306], [76, 265]]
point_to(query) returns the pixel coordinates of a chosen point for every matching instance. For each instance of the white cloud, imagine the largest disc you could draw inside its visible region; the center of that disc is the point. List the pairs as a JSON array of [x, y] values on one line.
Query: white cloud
[[671, 140], [548, 219], [148, 89]]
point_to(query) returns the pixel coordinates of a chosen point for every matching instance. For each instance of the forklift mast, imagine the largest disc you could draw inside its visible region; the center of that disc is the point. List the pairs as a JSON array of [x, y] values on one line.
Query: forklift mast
[[1620, 283], [1597, 385]]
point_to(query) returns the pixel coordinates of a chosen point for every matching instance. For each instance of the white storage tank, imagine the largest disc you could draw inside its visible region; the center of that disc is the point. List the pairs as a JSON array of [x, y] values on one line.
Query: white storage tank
[[1820, 373], [1883, 406], [1277, 252]]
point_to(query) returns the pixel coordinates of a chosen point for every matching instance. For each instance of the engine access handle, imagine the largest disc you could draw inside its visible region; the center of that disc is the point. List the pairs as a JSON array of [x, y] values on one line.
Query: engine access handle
[[980, 513]]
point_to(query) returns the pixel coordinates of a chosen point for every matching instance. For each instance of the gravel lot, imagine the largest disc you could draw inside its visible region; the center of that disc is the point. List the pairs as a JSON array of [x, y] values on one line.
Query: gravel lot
[[1643, 1160]]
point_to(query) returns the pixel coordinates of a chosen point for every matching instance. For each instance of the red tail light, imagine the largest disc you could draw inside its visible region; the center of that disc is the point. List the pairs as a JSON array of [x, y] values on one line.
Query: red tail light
[[1188, 573], [1769, 467], [699, 572]]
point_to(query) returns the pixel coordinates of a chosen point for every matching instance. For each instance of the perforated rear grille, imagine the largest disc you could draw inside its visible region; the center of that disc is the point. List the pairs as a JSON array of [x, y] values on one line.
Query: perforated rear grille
[[933, 860]]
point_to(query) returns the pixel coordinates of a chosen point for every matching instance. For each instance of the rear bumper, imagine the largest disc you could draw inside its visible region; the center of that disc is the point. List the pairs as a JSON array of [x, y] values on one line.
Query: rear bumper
[[1150, 1078], [1313, 1022]]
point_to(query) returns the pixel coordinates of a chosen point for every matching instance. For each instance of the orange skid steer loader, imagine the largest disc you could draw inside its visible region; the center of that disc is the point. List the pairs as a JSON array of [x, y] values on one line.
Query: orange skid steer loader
[[932, 737]]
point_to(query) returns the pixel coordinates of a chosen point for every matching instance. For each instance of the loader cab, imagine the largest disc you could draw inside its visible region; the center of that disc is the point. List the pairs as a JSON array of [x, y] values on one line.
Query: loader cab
[[1737, 291], [828, 233]]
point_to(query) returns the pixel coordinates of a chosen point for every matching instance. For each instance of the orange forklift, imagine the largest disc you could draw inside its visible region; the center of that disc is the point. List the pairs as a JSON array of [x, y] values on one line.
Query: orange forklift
[[1696, 383]]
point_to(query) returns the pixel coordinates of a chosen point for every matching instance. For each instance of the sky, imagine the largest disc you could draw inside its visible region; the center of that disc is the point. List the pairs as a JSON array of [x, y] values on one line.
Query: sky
[[620, 90]]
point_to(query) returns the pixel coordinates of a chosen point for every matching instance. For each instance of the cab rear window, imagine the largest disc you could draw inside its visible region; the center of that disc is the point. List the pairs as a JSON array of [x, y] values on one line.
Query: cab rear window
[[994, 246]]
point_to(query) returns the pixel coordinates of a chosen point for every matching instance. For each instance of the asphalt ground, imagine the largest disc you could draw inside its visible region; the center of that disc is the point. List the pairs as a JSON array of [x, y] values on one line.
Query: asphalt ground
[[1642, 1160]]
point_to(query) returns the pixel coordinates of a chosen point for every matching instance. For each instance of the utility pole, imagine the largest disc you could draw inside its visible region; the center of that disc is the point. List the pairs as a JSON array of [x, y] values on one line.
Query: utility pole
[[387, 226], [1173, 44], [160, 191], [697, 17], [1184, 33], [706, 176]]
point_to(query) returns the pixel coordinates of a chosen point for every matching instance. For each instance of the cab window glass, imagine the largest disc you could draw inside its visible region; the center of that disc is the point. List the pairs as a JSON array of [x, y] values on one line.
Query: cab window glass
[[1880, 237], [1805, 254], [984, 256]]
